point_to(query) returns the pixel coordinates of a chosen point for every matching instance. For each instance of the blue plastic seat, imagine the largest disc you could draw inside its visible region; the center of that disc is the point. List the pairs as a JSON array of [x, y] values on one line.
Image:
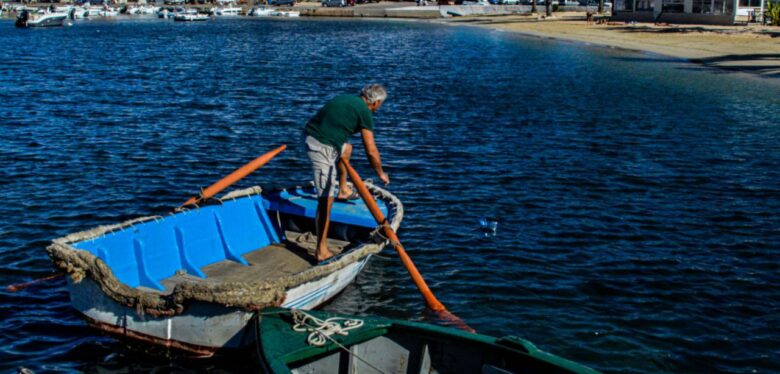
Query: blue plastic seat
[[147, 253]]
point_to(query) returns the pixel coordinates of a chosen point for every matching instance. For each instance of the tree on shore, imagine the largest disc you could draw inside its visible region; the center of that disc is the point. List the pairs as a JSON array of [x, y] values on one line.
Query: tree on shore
[[547, 7], [773, 11], [533, 6], [601, 6]]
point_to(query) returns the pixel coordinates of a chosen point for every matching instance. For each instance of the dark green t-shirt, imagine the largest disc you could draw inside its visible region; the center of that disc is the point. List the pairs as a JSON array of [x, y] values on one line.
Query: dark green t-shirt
[[341, 117]]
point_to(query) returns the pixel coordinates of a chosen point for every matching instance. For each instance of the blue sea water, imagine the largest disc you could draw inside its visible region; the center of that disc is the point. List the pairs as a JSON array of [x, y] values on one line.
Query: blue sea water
[[637, 197]]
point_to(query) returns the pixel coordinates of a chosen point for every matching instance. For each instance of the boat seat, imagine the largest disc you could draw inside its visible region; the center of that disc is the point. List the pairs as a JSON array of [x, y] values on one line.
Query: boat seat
[[146, 253], [276, 260], [303, 202]]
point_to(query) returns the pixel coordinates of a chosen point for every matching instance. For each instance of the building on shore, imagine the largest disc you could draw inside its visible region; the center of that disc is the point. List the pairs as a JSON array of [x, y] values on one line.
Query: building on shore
[[708, 12]]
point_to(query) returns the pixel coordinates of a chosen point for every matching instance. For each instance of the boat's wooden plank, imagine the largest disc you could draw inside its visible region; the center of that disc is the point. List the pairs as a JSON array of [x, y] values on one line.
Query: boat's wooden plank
[[269, 262], [296, 254], [307, 242]]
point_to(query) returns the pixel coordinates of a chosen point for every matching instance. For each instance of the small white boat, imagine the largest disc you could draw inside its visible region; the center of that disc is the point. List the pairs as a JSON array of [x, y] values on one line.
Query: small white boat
[[190, 17], [73, 12], [260, 12], [108, 12], [229, 11], [79, 13], [141, 10], [27, 19], [283, 13]]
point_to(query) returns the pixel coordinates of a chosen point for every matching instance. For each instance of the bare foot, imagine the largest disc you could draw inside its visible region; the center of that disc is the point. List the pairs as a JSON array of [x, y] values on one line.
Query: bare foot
[[344, 194], [323, 255]]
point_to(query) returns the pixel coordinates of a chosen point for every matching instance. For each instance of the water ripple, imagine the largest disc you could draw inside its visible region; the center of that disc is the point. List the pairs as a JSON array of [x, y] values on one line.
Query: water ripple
[[637, 201]]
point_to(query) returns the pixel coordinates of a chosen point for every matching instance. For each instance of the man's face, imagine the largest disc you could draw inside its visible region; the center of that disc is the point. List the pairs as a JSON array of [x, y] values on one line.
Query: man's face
[[374, 106]]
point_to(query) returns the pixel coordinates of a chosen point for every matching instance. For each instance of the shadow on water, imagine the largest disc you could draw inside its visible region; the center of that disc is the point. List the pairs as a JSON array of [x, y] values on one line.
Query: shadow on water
[[763, 64], [692, 29]]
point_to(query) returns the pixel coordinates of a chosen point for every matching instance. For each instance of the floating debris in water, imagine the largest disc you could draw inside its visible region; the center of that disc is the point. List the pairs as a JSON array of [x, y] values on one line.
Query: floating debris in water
[[488, 225]]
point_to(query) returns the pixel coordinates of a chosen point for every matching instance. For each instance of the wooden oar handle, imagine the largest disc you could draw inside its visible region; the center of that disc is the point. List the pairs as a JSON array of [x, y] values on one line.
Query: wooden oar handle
[[235, 176]]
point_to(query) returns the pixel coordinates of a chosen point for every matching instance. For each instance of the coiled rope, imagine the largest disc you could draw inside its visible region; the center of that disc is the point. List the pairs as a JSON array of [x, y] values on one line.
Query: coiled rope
[[321, 330]]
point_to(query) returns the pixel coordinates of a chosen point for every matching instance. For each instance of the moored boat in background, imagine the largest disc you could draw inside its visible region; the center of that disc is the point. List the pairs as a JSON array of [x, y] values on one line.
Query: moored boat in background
[[28, 19], [185, 17], [285, 13], [228, 11], [108, 12], [260, 11]]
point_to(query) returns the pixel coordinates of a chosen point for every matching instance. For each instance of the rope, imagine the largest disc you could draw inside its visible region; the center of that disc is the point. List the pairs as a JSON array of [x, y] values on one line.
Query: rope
[[321, 330], [381, 235]]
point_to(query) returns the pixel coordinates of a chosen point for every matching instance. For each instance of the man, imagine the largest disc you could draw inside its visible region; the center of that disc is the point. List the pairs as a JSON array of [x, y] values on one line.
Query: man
[[326, 136]]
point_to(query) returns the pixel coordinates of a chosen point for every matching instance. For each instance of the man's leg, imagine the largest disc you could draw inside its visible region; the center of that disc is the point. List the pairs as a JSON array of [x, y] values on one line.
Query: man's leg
[[344, 190], [323, 223], [323, 160]]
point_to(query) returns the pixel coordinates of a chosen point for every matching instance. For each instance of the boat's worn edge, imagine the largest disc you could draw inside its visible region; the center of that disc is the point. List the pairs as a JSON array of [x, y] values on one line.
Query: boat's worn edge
[[251, 296]]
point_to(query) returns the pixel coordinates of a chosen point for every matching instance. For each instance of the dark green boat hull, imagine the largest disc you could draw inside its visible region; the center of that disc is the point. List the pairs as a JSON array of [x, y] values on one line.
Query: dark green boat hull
[[395, 346]]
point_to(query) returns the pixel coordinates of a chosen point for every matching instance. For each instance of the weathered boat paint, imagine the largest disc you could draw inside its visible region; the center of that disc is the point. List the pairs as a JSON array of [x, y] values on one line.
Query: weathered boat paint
[[203, 328]]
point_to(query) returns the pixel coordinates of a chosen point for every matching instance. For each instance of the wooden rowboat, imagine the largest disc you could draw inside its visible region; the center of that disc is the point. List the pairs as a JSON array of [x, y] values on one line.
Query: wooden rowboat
[[193, 280], [293, 341]]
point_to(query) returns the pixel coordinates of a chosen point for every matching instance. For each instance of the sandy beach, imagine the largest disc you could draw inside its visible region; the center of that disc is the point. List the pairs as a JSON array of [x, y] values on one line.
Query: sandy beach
[[751, 49]]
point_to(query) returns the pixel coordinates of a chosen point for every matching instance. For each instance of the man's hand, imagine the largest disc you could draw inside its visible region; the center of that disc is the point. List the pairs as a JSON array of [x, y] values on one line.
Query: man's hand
[[384, 178]]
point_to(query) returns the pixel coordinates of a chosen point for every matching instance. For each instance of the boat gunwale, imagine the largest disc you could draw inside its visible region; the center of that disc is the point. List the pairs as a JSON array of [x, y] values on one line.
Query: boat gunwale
[[251, 296], [379, 326]]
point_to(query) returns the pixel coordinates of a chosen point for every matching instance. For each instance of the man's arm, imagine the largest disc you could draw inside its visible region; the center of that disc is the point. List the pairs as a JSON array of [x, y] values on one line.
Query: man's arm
[[373, 154]]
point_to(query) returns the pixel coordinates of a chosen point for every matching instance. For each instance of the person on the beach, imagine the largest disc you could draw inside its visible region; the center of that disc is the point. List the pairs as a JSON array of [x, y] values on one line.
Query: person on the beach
[[326, 136]]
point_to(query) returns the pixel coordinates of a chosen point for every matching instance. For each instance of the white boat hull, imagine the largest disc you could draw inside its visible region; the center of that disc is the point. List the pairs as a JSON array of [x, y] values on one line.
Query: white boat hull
[[203, 328], [48, 20], [190, 18], [262, 12], [286, 14]]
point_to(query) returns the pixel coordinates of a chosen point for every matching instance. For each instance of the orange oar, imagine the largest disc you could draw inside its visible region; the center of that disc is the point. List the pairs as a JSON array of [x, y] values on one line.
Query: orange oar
[[21, 286], [430, 300], [235, 176], [207, 193]]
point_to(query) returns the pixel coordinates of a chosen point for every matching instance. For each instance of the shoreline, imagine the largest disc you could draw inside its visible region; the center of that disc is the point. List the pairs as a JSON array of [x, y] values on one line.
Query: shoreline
[[751, 50], [754, 50]]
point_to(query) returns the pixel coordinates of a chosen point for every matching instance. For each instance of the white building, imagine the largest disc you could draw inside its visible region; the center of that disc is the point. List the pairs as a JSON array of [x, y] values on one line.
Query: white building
[[710, 12]]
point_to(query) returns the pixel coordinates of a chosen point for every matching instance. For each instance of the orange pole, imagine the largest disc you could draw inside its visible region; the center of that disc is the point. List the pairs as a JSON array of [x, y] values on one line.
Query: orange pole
[[21, 286], [235, 176], [430, 299]]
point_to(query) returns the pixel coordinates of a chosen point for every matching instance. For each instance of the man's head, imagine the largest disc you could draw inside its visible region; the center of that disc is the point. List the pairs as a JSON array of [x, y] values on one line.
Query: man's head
[[374, 95]]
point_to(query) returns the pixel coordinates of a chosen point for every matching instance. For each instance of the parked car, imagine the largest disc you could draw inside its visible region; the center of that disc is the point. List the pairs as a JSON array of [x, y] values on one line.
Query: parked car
[[281, 2], [334, 3]]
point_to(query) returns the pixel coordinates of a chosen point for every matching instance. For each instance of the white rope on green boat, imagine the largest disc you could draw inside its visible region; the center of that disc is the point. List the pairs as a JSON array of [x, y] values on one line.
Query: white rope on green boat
[[321, 330]]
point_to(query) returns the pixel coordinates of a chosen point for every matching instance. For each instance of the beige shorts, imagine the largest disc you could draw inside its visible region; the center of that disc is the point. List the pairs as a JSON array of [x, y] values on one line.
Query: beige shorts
[[324, 161]]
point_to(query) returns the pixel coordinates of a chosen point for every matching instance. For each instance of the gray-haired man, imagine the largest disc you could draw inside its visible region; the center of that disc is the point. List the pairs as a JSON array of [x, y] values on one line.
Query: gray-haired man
[[326, 140]]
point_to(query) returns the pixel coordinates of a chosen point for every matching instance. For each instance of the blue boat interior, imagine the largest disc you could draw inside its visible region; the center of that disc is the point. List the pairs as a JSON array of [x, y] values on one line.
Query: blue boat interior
[[232, 240]]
